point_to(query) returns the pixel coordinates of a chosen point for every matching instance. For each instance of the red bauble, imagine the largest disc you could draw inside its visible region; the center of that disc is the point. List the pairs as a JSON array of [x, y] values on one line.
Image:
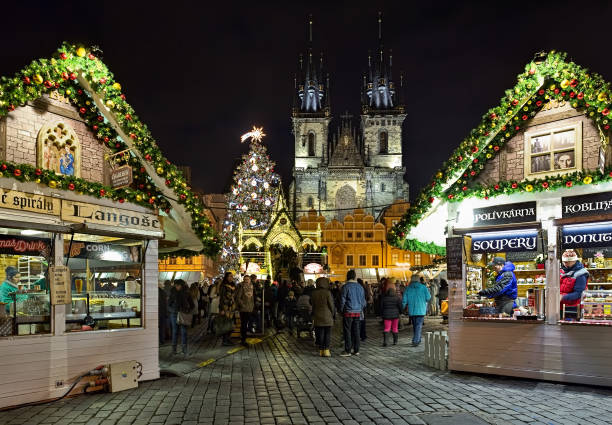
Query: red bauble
[[100, 118], [496, 187], [141, 186], [474, 149], [464, 174], [73, 76], [569, 183], [539, 103], [574, 83], [17, 172], [541, 92], [514, 185], [475, 161], [128, 117], [495, 148], [106, 139], [464, 188], [142, 169], [3, 167], [524, 117], [451, 196], [148, 157], [38, 171], [132, 136], [580, 95], [82, 111], [486, 197], [117, 145], [11, 107], [121, 200], [517, 128], [65, 75], [102, 80], [562, 94], [557, 91], [514, 102], [167, 210], [532, 71], [572, 94], [95, 127], [545, 185], [91, 56], [63, 56], [151, 201], [27, 80], [605, 111], [122, 96], [102, 192], [183, 197], [472, 173], [167, 182], [493, 116], [459, 158], [71, 186], [607, 127], [48, 84], [79, 91], [431, 200]]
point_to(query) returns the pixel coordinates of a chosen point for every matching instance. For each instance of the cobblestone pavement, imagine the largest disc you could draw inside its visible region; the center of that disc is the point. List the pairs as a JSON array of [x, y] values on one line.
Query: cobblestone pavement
[[282, 381]]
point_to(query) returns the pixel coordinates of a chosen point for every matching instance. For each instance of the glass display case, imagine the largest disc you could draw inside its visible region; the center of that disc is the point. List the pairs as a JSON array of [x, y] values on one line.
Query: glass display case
[[108, 310], [28, 314], [597, 305]]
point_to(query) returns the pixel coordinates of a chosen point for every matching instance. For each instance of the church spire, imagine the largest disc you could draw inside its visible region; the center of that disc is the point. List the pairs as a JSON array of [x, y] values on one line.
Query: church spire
[[312, 88], [380, 91]]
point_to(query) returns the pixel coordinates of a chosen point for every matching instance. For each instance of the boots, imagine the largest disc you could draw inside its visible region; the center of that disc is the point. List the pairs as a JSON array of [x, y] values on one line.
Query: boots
[[321, 353], [326, 353], [385, 334], [395, 335]]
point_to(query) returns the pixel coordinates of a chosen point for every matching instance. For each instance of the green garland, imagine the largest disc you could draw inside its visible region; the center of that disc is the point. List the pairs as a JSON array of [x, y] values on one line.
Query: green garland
[[61, 73], [548, 77]]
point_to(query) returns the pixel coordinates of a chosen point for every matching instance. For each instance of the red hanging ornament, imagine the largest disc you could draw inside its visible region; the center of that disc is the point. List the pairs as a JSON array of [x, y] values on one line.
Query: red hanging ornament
[[431, 199], [65, 75], [148, 157], [27, 80], [545, 185], [580, 95], [472, 173], [11, 107], [38, 171], [48, 84], [82, 111], [106, 139], [122, 96], [459, 158], [71, 186], [524, 117], [63, 56], [102, 80], [128, 117], [569, 183], [574, 83], [151, 201], [541, 92], [91, 56], [17, 172], [475, 161], [474, 149], [100, 118], [496, 187], [95, 127], [132, 136], [605, 111], [183, 197], [514, 185], [451, 196], [464, 188], [73, 76], [515, 102], [121, 200], [3, 167], [495, 148], [102, 192]]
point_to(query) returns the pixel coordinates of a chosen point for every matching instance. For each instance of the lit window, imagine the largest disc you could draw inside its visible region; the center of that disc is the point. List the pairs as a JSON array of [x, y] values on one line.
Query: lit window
[[417, 259], [362, 260], [349, 260], [554, 152], [358, 235], [369, 235], [394, 258], [349, 235], [406, 257], [374, 260]]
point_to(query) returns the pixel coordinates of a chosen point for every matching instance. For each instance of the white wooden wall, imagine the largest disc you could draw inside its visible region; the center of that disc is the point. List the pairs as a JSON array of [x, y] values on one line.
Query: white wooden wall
[[564, 353], [30, 366]]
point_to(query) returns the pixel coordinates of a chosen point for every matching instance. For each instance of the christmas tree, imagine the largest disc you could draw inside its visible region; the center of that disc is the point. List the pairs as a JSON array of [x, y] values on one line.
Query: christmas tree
[[251, 198]]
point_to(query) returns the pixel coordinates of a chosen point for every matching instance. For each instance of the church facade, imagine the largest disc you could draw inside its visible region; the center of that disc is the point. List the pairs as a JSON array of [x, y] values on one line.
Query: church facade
[[350, 166]]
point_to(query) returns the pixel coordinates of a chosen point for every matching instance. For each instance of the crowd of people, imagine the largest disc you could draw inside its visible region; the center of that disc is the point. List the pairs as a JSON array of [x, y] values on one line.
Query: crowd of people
[[301, 306]]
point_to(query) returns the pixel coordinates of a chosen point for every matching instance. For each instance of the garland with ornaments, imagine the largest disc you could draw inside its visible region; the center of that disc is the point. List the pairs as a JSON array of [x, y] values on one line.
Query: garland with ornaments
[[548, 77], [60, 73]]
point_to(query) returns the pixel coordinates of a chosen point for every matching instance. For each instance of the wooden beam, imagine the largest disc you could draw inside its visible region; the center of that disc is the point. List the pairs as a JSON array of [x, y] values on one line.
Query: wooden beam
[[585, 219]]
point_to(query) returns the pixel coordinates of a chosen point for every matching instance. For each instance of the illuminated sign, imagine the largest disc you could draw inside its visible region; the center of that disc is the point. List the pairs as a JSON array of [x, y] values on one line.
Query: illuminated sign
[[504, 242]]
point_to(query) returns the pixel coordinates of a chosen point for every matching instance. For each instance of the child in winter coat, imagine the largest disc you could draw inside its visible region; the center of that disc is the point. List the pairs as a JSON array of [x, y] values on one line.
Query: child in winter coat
[[390, 307]]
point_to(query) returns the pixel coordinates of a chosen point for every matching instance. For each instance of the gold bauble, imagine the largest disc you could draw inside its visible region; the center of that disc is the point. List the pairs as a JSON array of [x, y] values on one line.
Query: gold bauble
[[139, 198], [117, 86], [52, 184], [565, 84], [37, 180], [38, 79], [81, 52], [68, 92], [439, 175], [110, 104], [160, 170]]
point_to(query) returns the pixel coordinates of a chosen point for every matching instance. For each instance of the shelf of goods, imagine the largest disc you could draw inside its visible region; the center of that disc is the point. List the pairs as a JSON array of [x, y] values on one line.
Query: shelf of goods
[[597, 305]]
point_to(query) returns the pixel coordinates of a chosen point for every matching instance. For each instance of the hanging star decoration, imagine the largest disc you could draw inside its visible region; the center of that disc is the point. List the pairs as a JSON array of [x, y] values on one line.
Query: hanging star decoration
[[256, 134]]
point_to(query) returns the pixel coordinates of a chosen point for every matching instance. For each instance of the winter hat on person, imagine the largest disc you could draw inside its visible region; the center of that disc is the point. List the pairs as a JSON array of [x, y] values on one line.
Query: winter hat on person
[[11, 272], [569, 255], [291, 293], [497, 261]]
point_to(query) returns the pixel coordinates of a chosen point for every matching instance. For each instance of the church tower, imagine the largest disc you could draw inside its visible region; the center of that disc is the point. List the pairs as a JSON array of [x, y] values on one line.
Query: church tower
[[311, 117], [382, 109], [311, 109]]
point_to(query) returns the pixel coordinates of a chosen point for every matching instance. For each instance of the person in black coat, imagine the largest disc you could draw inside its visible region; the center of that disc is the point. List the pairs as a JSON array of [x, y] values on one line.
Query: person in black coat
[[390, 307]]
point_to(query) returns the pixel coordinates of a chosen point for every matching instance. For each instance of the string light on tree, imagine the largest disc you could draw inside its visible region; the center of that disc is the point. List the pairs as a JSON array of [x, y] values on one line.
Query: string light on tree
[[251, 196]]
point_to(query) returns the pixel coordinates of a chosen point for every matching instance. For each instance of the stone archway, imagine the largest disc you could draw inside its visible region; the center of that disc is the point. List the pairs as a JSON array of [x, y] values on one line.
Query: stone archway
[[345, 201]]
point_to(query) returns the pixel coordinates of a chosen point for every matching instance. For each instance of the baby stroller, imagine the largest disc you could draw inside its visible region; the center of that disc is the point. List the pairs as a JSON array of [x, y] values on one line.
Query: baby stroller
[[303, 321]]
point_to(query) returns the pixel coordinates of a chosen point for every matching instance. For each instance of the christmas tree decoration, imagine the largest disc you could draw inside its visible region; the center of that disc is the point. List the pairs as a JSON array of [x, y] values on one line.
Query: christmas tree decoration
[[249, 205]]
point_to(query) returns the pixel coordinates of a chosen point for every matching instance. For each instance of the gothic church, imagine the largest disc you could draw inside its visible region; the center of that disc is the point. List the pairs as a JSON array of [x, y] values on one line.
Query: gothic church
[[337, 171]]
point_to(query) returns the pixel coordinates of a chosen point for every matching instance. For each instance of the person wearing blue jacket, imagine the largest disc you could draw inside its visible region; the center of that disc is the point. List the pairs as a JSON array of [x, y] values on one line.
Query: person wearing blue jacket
[[352, 303], [505, 290], [416, 296]]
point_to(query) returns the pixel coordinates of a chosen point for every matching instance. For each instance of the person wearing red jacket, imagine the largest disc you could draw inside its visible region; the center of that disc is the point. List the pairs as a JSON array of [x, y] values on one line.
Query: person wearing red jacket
[[574, 279]]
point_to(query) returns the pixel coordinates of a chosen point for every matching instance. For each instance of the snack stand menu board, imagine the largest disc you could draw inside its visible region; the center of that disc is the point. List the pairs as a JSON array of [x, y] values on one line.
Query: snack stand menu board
[[454, 258], [59, 277]]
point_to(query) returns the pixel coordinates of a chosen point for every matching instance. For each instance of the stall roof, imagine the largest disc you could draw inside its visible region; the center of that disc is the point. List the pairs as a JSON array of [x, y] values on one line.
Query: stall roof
[[77, 73], [549, 76]]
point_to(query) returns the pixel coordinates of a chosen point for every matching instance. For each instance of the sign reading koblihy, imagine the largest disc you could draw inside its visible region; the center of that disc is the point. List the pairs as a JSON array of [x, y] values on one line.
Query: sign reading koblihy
[[505, 242], [587, 236], [592, 204], [505, 214]]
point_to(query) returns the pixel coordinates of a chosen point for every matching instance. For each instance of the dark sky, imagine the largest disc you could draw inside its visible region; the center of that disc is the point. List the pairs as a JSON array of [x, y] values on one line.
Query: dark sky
[[201, 73]]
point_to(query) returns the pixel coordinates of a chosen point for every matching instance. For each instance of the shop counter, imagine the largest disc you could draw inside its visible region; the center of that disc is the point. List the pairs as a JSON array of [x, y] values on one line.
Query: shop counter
[[503, 320], [586, 323]]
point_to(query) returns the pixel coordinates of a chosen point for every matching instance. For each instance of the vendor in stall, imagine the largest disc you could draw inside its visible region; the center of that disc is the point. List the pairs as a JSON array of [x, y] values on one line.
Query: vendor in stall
[[9, 286], [574, 278], [505, 290]]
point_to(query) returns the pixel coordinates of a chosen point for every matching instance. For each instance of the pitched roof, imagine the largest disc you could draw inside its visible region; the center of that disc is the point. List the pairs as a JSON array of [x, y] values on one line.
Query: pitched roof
[[78, 74], [548, 77]]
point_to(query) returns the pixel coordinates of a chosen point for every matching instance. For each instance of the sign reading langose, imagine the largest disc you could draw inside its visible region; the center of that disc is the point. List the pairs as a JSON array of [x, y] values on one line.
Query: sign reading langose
[[59, 284], [80, 212], [29, 202], [593, 204], [505, 214]]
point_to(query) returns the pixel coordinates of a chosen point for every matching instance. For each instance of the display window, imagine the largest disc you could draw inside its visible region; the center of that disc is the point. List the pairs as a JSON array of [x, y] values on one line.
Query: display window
[[24, 293], [587, 298], [106, 282], [505, 276]]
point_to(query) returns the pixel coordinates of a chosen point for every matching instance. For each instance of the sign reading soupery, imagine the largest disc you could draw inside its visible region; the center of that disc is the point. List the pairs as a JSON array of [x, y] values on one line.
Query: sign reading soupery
[[587, 236], [583, 205], [520, 240], [505, 214], [80, 212]]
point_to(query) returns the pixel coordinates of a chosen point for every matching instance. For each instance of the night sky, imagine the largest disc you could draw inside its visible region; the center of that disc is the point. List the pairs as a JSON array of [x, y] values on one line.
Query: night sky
[[200, 75]]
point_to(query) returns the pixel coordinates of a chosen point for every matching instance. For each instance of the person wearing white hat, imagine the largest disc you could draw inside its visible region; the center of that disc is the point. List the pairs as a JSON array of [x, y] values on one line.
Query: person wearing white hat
[[573, 279]]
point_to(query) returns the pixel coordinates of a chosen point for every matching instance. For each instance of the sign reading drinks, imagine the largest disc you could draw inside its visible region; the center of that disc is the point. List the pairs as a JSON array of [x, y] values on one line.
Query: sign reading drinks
[[586, 236], [583, 205], [505, 214], [121, 177], [29, 202], [80, 212], [505, 242]]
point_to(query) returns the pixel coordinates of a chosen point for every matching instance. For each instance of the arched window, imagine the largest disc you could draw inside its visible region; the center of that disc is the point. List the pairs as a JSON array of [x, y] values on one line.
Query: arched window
[[311, 144], [310, 202], [384, 141]]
